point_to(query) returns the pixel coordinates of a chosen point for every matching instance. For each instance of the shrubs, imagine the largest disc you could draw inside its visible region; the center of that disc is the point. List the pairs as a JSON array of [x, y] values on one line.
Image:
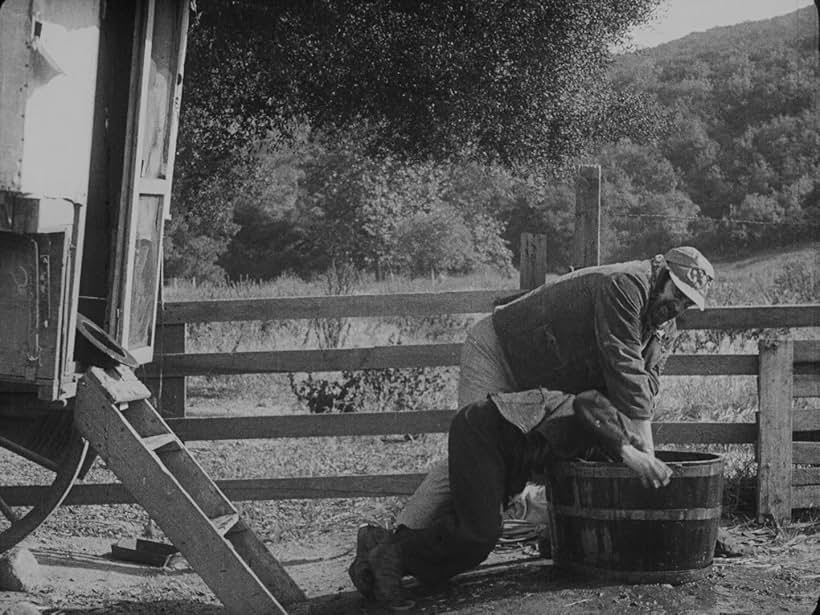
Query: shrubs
[[795, 283], [386, 390]]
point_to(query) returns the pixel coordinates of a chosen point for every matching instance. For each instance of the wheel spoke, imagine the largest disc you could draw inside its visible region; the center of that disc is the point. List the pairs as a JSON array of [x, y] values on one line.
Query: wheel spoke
[[68, 469]]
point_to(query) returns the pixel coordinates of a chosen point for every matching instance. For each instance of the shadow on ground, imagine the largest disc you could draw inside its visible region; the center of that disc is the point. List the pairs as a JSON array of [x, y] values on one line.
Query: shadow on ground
[[161, 607]]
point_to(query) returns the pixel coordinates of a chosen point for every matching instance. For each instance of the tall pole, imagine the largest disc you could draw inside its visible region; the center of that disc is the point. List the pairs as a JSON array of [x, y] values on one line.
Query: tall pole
[[587, 239], [533, 263]]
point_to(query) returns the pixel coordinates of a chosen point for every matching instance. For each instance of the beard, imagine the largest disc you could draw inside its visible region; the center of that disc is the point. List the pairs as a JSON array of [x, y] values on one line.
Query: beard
[[661, 311]]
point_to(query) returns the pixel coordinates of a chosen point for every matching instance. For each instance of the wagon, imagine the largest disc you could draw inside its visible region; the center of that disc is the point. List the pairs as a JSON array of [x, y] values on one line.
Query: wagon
[[89, 104]]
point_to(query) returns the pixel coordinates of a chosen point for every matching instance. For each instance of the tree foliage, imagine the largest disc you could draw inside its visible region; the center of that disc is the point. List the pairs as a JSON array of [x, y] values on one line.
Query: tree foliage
[[742, 131], [492, 81], [427, 136]]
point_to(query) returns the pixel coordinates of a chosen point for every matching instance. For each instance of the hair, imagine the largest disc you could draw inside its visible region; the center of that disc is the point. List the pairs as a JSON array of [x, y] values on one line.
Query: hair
[[660, 282]]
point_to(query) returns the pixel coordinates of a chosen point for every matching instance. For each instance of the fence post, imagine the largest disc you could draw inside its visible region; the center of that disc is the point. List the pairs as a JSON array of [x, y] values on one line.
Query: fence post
[[774, 436], [587, 238], [170, 393], [533, 262]]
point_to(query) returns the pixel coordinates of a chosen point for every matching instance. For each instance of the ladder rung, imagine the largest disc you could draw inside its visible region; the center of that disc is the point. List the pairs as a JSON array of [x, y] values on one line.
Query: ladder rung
[[154, 443], [224, 523]]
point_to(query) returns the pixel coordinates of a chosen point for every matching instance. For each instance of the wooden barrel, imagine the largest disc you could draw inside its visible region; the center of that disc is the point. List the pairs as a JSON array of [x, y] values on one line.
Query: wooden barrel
[[606, 525]]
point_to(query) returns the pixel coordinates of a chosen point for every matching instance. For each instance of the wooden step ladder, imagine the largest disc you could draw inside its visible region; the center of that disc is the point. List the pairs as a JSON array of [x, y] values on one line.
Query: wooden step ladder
[[113, 413]]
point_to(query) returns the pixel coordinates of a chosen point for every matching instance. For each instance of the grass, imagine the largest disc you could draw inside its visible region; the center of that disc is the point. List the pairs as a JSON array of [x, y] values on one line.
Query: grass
[[752, 280]]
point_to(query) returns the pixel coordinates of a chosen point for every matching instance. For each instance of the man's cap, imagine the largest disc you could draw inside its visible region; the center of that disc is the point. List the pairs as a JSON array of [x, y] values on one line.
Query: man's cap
[[691, 273]]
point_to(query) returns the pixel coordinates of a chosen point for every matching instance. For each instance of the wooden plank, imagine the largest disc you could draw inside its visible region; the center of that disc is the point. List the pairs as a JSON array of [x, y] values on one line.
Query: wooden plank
[[259, 489], [184, 468], [774, 452], [381, 357], [805, 476], [453, 302], [806, 420], [807, 453], [807, 496], [334, 359], [183, 16], [154, 443], [251, 548], [807, 351], [806, 385], [173, 508], [216, 505], [312, 426], [15, 49], [169, 392], [336, 306], [533, 261], [587, 236], [704, 433], [430, 421], [711, 365], [751, 317], [121, 385]]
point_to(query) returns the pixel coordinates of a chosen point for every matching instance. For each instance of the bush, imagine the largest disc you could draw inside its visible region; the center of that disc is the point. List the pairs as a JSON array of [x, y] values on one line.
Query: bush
[[386, 390], [795, 283]]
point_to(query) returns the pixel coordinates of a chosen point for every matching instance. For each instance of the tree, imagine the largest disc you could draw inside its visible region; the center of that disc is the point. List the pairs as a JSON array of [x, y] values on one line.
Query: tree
[[511, 81], [491, 80], [644, 210]]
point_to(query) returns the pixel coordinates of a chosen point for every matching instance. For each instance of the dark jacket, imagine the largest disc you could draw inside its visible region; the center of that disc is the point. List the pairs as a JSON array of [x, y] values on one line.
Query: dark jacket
[[588, 330]]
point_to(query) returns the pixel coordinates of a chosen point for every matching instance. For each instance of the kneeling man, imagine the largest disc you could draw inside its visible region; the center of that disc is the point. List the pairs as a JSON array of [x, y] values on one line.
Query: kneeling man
[[491, 457]]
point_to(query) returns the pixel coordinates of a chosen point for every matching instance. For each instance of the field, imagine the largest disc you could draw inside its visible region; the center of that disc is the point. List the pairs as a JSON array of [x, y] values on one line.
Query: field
[[325, 528]]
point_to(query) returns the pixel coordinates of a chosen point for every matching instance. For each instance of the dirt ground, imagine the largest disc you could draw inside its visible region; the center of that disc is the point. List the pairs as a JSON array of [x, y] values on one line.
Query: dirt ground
[[780, 573]]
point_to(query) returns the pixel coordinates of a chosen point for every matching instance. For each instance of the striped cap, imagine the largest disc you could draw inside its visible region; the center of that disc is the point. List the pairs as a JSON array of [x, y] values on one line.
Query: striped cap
[[691, 273]]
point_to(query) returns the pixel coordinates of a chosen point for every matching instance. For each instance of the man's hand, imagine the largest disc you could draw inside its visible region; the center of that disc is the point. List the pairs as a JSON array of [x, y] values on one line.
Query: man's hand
[[652, 471]]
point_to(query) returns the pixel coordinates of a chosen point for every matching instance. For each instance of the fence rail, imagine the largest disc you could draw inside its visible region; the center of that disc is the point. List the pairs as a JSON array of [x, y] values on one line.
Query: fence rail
[[173, 365], [452, 302]]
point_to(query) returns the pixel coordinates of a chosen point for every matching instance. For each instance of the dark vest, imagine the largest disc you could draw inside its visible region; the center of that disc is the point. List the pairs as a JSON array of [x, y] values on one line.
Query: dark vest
[[587, 330]]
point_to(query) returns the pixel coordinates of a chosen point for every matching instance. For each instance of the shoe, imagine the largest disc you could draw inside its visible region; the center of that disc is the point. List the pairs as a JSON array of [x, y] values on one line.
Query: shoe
[[367, 538], [387, 570]]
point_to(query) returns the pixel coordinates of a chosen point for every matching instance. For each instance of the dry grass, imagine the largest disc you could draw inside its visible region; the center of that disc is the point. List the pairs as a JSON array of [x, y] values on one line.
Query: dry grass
[[720, 398]]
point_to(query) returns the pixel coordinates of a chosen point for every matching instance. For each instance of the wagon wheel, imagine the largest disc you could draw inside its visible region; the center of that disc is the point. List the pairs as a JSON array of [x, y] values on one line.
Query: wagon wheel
[[47, 447]]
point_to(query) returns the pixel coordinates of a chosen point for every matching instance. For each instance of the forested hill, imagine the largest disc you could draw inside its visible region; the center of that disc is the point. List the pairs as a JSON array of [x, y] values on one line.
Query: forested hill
[[742, 139]]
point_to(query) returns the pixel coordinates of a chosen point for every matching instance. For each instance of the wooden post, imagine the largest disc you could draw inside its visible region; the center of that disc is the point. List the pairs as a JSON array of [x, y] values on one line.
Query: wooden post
[[533, 266], [587, 238], [169, 393], [774, 438]]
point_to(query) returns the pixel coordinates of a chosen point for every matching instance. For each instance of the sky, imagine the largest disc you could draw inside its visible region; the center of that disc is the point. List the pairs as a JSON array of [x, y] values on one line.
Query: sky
[[677, 18]]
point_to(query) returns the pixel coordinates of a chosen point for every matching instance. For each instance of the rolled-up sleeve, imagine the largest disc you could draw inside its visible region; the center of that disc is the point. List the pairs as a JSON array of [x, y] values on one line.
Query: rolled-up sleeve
[[618, 330]]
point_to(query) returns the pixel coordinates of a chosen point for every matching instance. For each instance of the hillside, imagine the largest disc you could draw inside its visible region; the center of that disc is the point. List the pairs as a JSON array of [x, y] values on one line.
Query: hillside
[[739, 144], [763, 266]]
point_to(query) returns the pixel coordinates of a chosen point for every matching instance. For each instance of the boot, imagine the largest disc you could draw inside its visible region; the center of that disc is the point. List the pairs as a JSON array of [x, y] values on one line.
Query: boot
[[367, 538], [387, 570]]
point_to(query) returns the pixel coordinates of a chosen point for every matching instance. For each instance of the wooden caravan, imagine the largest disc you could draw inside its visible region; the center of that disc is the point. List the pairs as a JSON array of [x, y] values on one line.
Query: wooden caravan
[[89, 100], [89, 103]]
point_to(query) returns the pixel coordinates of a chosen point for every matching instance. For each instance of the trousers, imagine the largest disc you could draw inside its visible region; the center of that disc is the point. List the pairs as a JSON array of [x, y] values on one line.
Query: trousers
[[481, 444], [483, 370]]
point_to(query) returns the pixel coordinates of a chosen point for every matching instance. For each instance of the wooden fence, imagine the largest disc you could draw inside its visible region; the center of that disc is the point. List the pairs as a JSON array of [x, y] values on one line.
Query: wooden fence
[[785, 370], [788, 476]]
